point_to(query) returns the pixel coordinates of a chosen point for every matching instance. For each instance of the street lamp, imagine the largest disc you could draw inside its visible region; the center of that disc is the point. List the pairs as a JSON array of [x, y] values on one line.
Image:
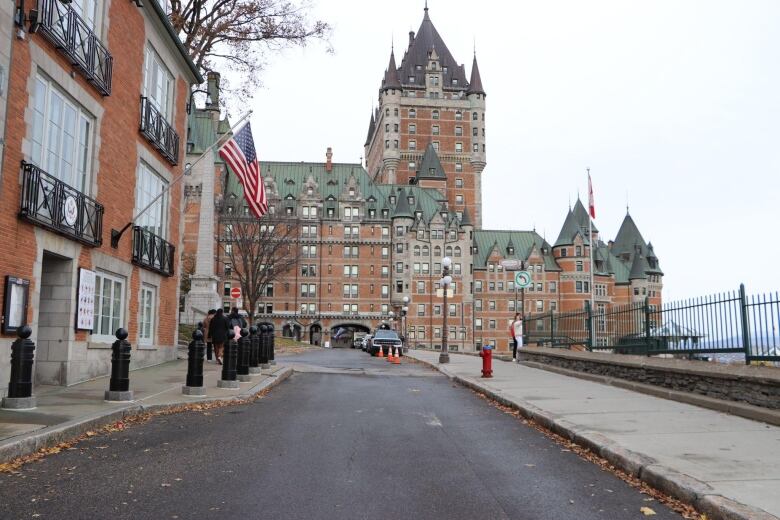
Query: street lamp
[[404, 312], [446, 280], [391, 314]]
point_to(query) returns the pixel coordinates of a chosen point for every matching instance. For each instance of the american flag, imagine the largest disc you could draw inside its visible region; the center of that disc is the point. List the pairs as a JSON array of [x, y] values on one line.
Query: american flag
[[239, 153]]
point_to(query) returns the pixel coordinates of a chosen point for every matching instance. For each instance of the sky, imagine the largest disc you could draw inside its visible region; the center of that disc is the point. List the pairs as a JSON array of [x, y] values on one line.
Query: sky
[[673, 105]]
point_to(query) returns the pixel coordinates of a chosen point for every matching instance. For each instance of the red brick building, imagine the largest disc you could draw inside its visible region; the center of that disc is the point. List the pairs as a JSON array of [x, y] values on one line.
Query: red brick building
[[95, 118]]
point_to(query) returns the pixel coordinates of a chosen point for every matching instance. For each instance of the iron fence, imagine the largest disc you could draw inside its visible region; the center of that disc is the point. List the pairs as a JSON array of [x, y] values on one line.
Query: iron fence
[[152, 252], [727, 323], [158, 131]]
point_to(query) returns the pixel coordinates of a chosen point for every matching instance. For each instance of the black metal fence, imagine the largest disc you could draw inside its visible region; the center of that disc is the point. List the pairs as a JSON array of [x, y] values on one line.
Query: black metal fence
[[159, 132], [728, 323], [152, 252]]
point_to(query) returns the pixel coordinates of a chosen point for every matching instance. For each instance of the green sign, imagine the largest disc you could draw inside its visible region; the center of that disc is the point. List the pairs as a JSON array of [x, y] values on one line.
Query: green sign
[[522, 279]]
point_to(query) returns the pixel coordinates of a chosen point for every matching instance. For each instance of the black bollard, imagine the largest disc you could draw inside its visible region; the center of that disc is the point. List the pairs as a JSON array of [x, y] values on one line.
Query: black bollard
[[254, 351], [271, 347], [242, 365], [20, 386], [119, 384], [195, 350], [229, 363], [264, 345]]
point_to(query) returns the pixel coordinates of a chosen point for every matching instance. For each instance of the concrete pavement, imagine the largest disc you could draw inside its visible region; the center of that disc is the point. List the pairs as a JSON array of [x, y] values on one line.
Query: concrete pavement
[[726, 466], [66, 412]]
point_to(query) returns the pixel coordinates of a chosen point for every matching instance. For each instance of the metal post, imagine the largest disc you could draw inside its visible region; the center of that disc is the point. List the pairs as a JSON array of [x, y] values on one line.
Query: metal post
[[552, 328], [264, 346], [254, 351], [20, 385], [743, 307], [229, 363], [589, 313], [194, 385], [242, 360], [271, 346], [444, 356], [648, 338], [119, 384]]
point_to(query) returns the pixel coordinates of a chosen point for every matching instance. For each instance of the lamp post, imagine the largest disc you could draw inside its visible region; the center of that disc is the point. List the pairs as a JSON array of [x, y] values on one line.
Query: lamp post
[[446, 280], [404, 312], [391, 314]]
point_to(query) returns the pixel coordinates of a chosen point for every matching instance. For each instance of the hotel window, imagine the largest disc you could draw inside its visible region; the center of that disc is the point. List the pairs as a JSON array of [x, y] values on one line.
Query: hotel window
[[458, 131], [475, 148], [61, 137], [578, 286], [579, 265], [478, 286], [492, 305], [412, 166], [539, 287], [412, 112], [435, 114], [420, 287], [395, 127], [435, 147], [399, 267], [413, 145], [458, 167], [492, 324], [552, 287], [387, 127], [437, 310], [148, 186], [426, 268], [435, 130], [458, 199], [456, 268], [421, 309], [158, 83], [474, 116], [478, 323], [458, 147], [578, 251], [109, 311], [385, 291], [458, 116], [146, 309], [453, 309]]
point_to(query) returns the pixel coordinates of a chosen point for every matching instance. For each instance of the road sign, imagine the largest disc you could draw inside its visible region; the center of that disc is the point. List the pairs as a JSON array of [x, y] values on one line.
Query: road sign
[[235, 293], [511, 264], [522, 279]]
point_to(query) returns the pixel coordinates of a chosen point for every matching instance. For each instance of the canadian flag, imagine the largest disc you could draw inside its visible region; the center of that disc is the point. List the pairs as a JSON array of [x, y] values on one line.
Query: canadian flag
[[591, 204]]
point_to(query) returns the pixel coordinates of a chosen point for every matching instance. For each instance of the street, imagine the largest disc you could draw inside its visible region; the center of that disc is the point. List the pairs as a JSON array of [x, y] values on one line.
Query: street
[[347, 436]]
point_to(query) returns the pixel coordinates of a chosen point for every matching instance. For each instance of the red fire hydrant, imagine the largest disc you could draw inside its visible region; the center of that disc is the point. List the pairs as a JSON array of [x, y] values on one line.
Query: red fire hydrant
[[487, 361]]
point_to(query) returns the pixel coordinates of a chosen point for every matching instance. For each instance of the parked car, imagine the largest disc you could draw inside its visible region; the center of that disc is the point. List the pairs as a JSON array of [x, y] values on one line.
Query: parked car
[[385, 339], [357, 340], [366, 342]]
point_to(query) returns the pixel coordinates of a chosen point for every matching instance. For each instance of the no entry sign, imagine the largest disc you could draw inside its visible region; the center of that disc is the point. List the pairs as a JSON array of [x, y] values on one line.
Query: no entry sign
[[235, 293]]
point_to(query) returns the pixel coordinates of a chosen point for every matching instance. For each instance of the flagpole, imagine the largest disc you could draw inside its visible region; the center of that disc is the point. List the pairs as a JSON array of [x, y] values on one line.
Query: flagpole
[[592, 264], [117, 235]]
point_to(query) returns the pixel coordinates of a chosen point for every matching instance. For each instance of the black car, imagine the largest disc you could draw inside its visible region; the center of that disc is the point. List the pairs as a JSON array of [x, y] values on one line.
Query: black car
[[385, 339]]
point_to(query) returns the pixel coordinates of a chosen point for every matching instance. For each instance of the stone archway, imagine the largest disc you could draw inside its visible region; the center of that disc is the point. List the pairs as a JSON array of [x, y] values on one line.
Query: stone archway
[[315, 334], [342, 334]]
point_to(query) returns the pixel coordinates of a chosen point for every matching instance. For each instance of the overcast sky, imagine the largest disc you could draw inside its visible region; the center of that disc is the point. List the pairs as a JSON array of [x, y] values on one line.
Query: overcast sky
[[673, 104]]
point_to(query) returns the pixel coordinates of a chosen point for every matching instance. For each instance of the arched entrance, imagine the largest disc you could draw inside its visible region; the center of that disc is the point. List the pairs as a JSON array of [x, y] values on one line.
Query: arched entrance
[[315, 334], [292, 330], [342, 334]]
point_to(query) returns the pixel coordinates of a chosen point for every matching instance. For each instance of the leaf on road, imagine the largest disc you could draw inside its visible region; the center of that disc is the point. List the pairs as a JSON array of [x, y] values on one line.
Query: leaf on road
[[165, 484], [90, 434], [647, 511]]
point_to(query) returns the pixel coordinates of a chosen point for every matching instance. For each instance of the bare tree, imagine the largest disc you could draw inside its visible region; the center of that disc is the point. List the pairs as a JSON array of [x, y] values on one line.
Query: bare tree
[[236, 34], [259, 251]]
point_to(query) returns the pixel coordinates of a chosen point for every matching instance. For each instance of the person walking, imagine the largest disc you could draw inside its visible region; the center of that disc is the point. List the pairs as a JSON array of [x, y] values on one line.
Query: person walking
[[237, 322], [516, 332], [218, 328], [207, 332]]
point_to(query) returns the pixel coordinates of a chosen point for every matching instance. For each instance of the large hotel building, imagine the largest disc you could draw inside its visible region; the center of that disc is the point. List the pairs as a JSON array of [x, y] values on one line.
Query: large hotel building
[[372, 234]]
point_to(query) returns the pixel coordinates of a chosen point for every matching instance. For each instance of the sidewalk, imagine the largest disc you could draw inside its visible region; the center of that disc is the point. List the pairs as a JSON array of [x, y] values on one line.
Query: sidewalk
[[726, 466], [66, 412]]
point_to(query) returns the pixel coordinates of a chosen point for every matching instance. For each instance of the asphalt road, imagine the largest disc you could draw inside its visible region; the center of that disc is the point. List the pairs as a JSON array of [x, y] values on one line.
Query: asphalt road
[[349, 437]]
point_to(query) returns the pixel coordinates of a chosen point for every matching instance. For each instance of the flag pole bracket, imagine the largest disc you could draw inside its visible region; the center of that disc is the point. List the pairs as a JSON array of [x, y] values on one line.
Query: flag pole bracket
[[116, 236]]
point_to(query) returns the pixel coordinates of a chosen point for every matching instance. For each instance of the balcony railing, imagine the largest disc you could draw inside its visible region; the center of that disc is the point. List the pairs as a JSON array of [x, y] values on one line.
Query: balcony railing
[[152, 252], [73, 37], [50, 203], [159, 132]]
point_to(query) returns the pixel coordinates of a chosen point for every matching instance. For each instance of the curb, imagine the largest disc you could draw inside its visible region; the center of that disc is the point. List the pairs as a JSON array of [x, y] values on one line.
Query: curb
[[53, 435], [673, 483]]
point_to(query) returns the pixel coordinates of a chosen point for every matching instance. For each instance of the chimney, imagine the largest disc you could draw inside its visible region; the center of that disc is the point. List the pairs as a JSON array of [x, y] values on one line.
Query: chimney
[[328, 161], [212, 102], [411, 38]]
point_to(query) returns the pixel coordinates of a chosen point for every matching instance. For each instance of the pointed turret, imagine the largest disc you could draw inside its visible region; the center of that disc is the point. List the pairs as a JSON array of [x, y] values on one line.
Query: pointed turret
[[391, 80], [371, 128], [627, 237], [430, 167], [582, 217], [570, 229], [466, 218], [475, 85], [638, 266], [402, 209]]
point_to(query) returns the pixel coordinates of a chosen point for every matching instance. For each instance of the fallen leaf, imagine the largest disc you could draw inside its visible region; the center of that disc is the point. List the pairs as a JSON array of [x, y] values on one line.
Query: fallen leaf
[[647, 511], [164, 484], [90, 434]]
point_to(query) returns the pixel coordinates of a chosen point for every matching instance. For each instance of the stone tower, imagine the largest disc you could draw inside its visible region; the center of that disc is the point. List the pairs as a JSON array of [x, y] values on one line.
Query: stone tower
[[426, 101]]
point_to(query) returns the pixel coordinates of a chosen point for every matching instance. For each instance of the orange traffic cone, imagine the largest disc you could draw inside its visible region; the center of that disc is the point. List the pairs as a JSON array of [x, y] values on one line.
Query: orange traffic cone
[[397, 358], [380, 354], [390, 354]]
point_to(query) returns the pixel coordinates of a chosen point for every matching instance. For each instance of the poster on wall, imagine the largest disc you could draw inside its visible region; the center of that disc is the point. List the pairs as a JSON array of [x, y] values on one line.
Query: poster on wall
[[15, 303], [85, 310]]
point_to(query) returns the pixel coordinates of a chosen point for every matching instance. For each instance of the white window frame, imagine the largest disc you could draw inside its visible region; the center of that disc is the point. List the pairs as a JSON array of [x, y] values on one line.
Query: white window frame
[[159, 83], [148, 185], [99, 333], [146, 315], [76, 169]]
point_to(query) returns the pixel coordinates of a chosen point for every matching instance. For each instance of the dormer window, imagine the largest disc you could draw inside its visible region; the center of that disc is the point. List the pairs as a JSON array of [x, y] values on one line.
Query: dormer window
[[510, 250], [309, 191], [385, 213], [418, 214], [410, 199], [432, 172], [445, 69], [411, 79], [454, 81], [418, 67], [392, 199], [444, 215], [352, 192]]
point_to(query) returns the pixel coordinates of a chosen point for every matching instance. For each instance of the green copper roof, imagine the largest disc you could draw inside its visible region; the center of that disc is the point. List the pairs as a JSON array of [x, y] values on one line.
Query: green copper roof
[[430, 166], [402, 209], [569, 230], [523, 241], [627, 237], [582, 217], [638, 268], [201, 132]]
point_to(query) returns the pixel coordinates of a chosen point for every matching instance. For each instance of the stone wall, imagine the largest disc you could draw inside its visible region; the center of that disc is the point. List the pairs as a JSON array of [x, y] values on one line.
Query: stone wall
[[758, 386]]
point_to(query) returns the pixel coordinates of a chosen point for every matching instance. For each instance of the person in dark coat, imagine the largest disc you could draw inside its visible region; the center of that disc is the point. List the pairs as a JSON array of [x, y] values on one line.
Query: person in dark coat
[[218, 328], [207, 333]]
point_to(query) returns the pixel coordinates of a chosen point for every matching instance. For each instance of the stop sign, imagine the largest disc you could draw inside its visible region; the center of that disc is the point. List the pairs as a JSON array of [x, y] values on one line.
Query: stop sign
[[235, 293]]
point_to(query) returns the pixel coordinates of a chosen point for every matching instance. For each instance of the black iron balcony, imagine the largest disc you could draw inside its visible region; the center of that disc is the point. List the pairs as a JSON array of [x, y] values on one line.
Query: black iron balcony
[[50, 203], [159, 132], [152, 252], [74, 38]]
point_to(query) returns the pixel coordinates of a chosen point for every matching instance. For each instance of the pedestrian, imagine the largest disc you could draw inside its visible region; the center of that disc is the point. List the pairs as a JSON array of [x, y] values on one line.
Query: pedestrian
[[237, 322], [219, 327], [516, 332], [207, 332]]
